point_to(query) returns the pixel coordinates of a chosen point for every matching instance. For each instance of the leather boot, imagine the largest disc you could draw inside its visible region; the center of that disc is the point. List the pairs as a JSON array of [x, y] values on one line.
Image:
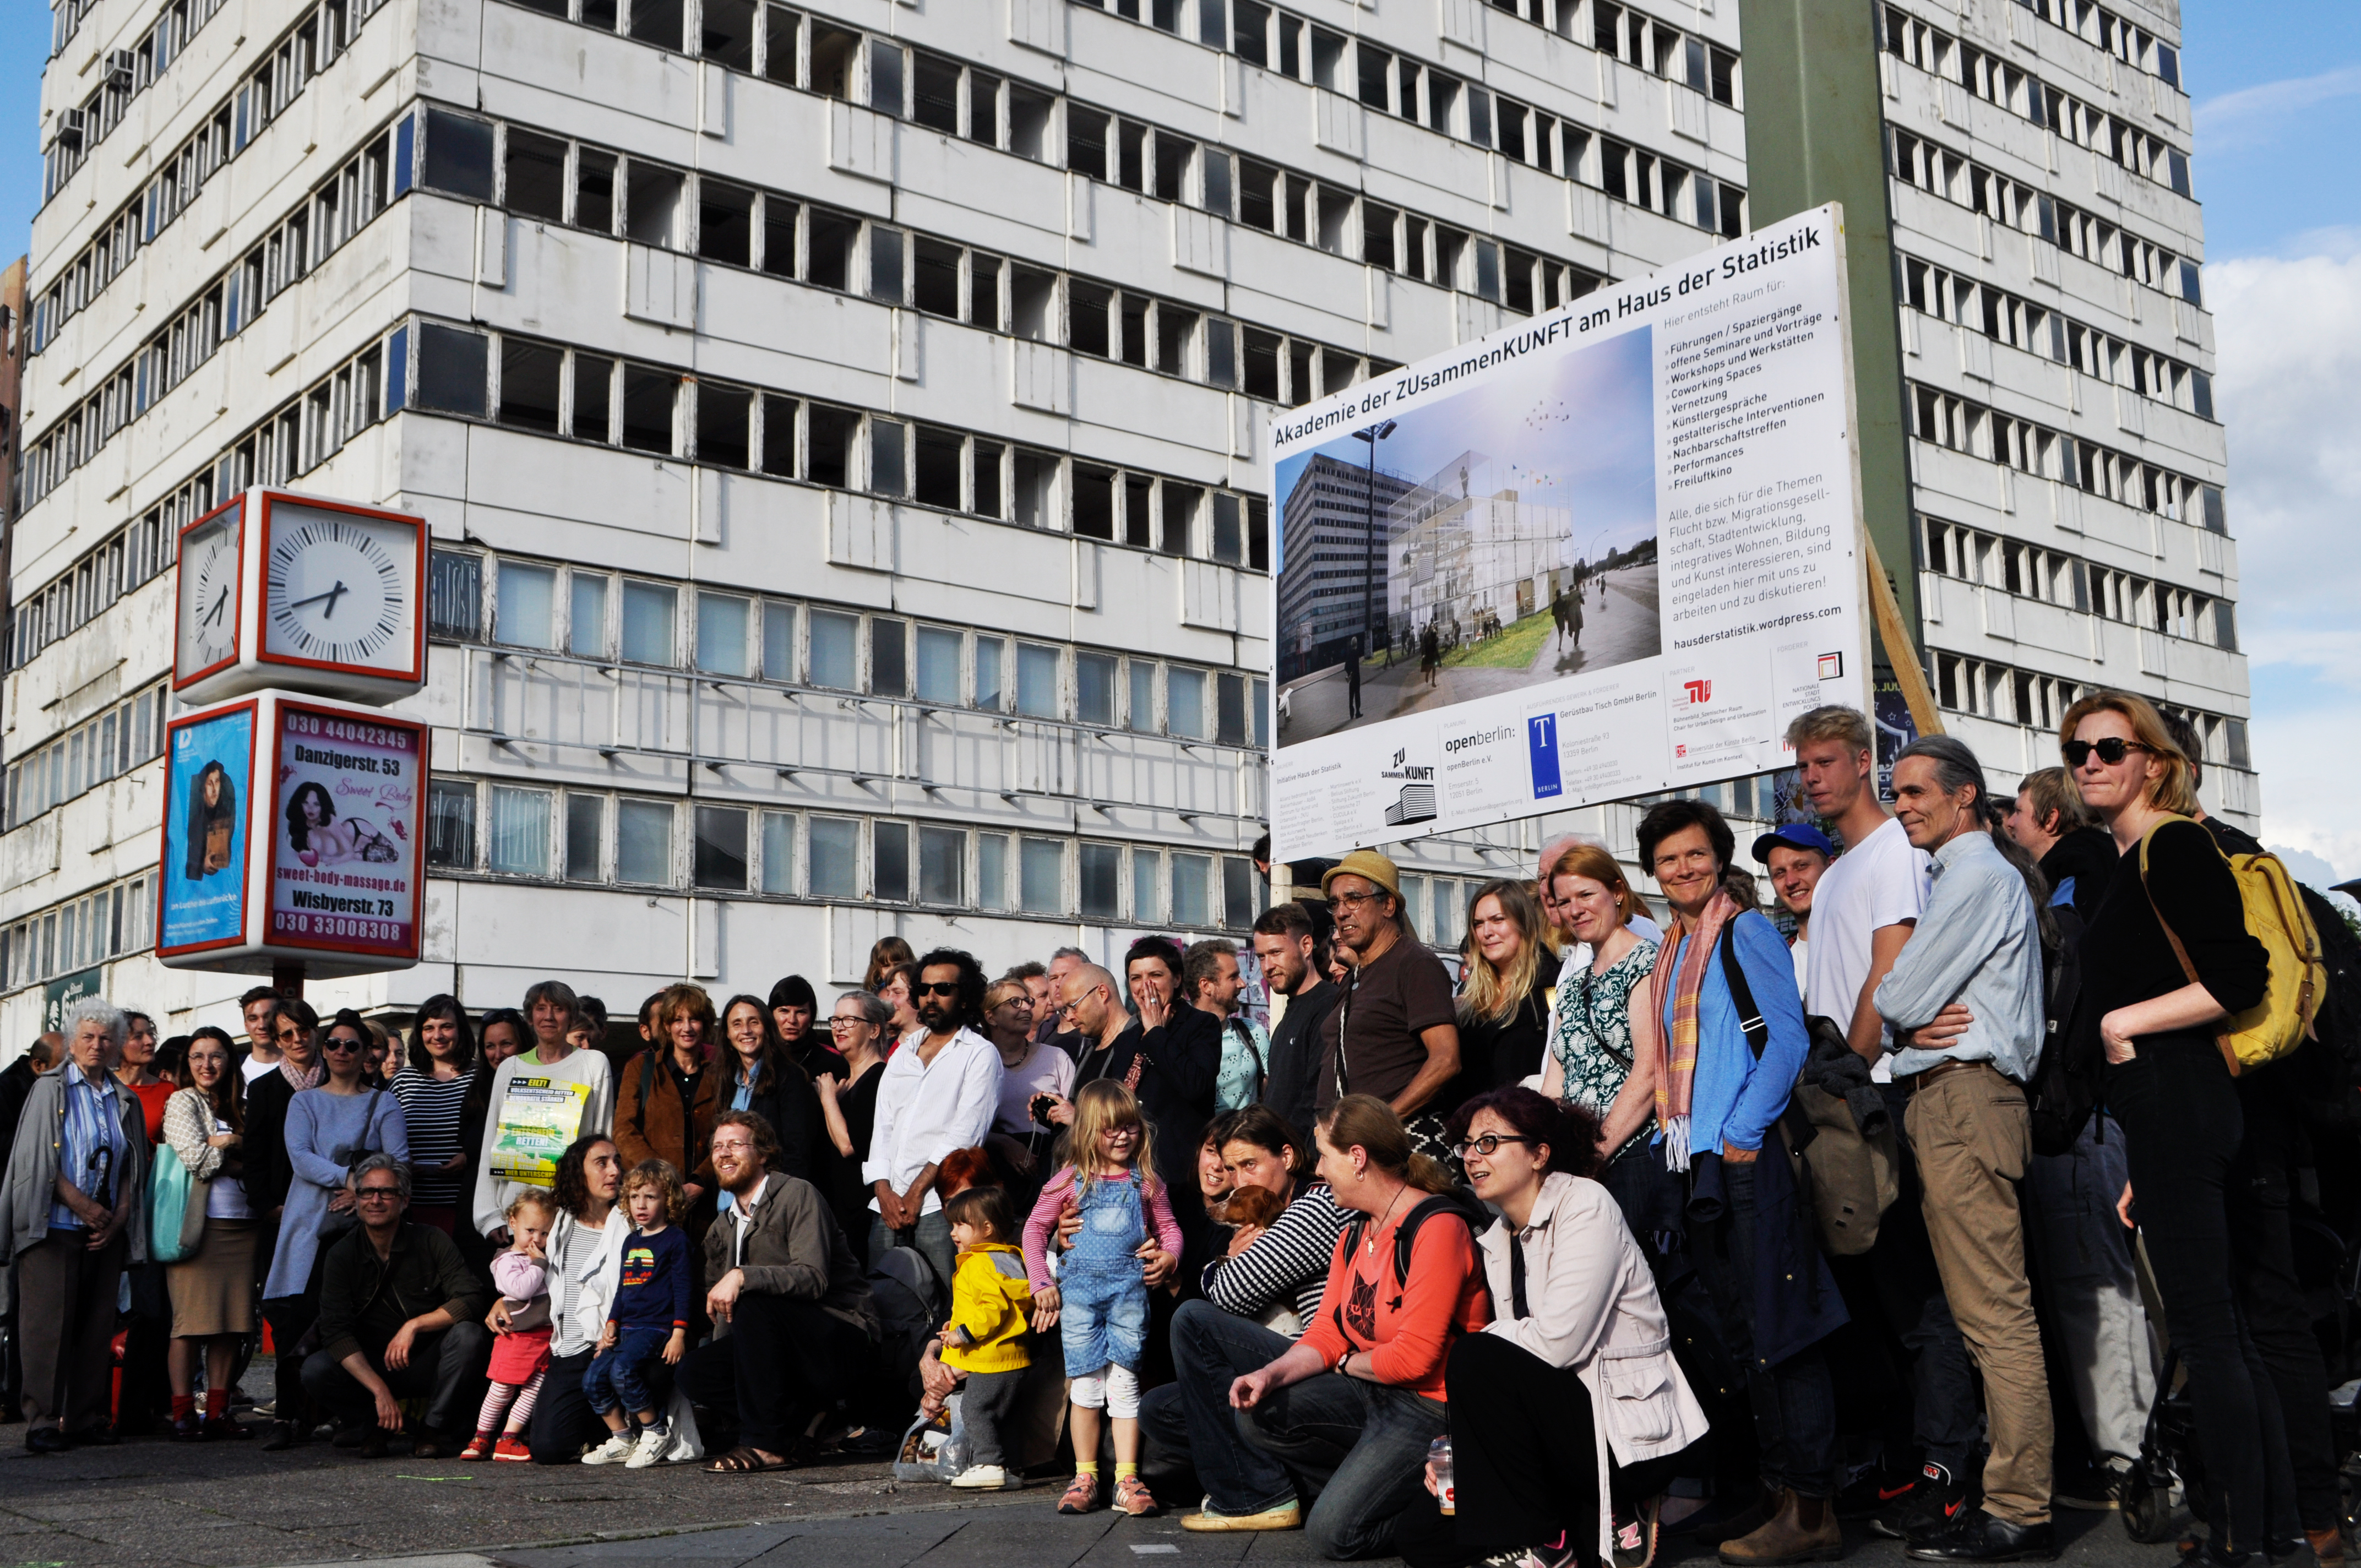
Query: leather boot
[[1804, 1529], [1745, 1522]]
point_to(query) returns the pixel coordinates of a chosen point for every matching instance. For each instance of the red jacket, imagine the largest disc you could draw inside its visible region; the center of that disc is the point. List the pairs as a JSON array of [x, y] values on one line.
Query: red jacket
[[1408, 1329]]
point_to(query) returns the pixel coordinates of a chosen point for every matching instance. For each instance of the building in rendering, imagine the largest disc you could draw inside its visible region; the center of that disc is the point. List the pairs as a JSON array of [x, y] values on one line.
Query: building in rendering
[[841, 425]]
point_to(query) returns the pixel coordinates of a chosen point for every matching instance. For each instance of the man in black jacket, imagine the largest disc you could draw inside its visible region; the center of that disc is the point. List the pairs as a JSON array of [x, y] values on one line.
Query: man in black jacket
[[1294, 965], [15, 1084], [399, 1316]]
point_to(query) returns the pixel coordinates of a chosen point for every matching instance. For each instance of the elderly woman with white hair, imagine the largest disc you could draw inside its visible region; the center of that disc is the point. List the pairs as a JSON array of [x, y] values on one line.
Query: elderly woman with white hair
[[74, 1213]]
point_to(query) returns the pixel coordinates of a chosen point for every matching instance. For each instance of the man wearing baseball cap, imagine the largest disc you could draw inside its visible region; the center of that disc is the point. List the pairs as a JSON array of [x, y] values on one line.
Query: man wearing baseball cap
[[1394, 1033], [1796, 853]]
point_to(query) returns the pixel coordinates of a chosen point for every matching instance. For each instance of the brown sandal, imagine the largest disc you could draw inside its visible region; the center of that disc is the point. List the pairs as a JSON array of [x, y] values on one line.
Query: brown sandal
[[744, 1461]]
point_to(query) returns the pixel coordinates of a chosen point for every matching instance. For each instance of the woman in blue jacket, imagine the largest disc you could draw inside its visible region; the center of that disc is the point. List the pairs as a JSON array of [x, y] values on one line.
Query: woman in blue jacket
[[1721, 1090]]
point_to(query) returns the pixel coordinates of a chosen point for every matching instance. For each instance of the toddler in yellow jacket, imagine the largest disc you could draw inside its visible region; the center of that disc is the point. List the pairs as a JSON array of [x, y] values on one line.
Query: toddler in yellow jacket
[[991, 1307]]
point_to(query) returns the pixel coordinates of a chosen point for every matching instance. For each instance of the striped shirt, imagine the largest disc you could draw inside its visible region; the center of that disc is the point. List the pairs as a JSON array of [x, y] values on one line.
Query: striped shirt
[[1287, 1262], [93, 1123], [430, 1108]]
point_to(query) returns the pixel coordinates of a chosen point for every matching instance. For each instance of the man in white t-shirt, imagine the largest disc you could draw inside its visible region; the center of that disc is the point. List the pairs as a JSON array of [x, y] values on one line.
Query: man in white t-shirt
[[1863, 909], [1796, 854], [260, 1007]]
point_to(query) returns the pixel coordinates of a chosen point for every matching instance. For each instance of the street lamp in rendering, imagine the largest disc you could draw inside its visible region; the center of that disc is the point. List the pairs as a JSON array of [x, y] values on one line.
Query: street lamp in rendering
[[1371, 435]]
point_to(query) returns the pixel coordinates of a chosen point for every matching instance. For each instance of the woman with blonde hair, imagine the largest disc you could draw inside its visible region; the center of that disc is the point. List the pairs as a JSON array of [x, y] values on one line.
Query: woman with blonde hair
[[1504, 996], [1592, 1063], [2166, 958]]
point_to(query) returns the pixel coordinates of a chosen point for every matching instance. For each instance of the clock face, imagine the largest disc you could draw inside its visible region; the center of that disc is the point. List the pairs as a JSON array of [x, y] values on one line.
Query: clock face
[[208, 599], [340, 589]]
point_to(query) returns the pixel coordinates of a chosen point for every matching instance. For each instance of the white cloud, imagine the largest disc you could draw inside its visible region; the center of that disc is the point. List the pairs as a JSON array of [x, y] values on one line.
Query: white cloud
[[2251, 115], [2288, 334]]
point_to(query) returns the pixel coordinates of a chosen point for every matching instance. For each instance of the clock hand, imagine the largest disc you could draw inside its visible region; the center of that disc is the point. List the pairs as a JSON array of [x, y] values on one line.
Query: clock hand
[[331, 595], [221, 602]]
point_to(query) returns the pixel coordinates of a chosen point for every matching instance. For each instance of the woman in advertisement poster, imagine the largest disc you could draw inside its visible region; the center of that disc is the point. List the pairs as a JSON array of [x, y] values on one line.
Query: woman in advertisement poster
[[318, 839], [549, 1008], [213, 822]]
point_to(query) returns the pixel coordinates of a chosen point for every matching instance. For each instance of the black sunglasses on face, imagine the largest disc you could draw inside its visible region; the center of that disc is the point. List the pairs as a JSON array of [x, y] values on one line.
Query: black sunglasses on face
[[938, 988], [2110, 750], [341, 1045]]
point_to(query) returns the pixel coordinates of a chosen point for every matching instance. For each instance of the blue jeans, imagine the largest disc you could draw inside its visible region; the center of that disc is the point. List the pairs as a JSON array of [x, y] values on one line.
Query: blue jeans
[[1793, 1402], [1361, 1447], [616, 1380], [1191, 1417]]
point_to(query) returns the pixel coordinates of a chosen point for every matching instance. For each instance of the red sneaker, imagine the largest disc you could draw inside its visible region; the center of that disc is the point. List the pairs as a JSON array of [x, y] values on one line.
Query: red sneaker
[[512, 1448], [1132, 1497], [1082, 1496], [478, 1447]]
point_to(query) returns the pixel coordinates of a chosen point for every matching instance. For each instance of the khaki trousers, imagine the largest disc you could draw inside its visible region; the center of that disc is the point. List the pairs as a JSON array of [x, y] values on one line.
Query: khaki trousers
[[1970, 1131]]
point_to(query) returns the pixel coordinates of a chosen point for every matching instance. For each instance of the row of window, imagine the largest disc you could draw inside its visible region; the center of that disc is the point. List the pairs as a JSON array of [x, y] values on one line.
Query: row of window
[[2029, 210], [325, 219], [2022, 324], [2102, 28], [81, 933], [2026, 96], [590, 187], [114, 566], [127, 73], [661, 411], [100, 747], [2058, 578], [259, 98], [1970, 427], [592, 837], [598, 615], [2039, 702]]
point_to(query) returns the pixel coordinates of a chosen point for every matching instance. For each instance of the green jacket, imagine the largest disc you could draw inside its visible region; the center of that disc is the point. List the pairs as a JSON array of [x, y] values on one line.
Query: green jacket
[[365, 1298]]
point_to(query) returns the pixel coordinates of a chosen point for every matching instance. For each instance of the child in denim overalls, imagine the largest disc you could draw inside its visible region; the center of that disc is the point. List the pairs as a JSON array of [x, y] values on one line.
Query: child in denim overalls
[[1098, 1298]]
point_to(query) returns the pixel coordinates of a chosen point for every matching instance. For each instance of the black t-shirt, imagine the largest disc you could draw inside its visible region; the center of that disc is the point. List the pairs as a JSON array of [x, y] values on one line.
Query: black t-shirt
[[2126, 955], [1297, 1049], [1388, 1003]]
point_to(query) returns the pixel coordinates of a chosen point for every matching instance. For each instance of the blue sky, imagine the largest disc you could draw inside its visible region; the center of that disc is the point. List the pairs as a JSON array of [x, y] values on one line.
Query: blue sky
[[2277, 90]]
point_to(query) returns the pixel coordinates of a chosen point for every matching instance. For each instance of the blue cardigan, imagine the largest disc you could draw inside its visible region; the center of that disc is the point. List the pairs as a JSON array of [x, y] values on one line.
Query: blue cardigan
[[1734, 1099]]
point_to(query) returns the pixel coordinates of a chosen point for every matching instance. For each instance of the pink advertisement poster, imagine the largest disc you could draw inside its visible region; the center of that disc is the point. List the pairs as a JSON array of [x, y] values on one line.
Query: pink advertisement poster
[[345, 861]]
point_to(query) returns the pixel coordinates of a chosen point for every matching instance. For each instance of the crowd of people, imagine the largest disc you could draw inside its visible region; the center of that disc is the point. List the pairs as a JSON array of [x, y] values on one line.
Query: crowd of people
[[1523, 1266]]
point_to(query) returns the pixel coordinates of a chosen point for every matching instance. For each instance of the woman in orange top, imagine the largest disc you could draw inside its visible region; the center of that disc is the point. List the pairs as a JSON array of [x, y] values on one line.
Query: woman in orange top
[[1404, 1285]]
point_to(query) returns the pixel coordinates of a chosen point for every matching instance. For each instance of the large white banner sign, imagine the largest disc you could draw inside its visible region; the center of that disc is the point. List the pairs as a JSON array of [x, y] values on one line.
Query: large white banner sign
[[1606, 552]]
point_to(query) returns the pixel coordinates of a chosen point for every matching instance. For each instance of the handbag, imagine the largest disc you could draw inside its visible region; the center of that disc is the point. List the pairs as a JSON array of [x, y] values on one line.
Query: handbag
[[335, 1226], [168, 1208]]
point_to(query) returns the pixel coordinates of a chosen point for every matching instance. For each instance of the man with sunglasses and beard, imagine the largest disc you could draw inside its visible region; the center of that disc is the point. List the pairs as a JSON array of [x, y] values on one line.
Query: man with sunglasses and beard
[[939, 1092]]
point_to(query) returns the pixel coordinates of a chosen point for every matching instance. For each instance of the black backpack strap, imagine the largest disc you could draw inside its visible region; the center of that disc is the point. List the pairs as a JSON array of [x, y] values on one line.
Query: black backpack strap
[[1742, 995]]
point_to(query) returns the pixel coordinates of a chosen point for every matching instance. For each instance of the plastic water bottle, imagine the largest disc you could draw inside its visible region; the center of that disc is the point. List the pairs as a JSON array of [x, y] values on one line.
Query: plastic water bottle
[[1438, 1459]]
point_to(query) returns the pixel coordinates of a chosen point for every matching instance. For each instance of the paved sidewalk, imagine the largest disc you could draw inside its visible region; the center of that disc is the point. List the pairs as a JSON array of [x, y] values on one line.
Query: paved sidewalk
[[149, 1503]]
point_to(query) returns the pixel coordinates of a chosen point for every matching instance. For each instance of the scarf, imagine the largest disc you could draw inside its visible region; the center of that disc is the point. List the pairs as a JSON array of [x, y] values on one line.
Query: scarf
[[1675, 1057], [303, 1080]]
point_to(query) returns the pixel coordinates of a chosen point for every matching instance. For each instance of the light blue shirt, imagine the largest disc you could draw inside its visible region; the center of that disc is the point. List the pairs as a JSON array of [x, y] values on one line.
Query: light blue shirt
[[94, 1122], [1976, 945], [1734, 1099]]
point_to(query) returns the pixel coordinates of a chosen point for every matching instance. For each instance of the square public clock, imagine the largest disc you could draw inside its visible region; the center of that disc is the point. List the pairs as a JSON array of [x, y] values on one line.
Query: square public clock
[[301, 593]]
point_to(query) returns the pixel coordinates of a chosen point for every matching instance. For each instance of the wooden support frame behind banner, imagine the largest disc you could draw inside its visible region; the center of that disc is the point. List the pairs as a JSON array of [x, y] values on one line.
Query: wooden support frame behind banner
[[1901, 650]]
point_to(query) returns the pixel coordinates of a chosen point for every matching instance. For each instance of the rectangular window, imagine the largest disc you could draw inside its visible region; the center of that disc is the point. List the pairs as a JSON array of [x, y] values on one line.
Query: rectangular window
[[536, 176], [722, 647], [455, 596], [724, 424], [529, 378], [888, 472], [586, 827], [835, 650], [885, 264], [991, 673], [1184, 703], [778, 641], [889, 860], [938, 667], [830, 452], [942, 866], [648, 398], [451, 824], [648, 622], [889, 656], [519, 837], [458, 154], [585, 622], [992, 870], [835, 857], [725, 222], [1093, 502], [720, 860], [592, 379], [1041, 875], [528, 603], [1094, 688], [1192, 877], [778, 853], [1230, 703], [453, 369], [643, 841], [1037, 681], [1100, 881]]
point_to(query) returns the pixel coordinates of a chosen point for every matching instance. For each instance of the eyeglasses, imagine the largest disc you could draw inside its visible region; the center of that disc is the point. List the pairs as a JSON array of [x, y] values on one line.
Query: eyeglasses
[[2110, 750], [938, 988], [376, 1194], [1488, 1145], [836, 1024], [1358, 899], [340, 1046], [1063, 1008]]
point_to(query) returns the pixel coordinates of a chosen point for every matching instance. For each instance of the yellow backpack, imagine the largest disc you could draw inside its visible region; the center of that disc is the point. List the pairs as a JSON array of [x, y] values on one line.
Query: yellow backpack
[[2298, 969]]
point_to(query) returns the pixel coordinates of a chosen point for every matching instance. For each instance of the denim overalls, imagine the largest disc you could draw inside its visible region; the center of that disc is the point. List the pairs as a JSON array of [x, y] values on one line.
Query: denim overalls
[[1102, 1314]]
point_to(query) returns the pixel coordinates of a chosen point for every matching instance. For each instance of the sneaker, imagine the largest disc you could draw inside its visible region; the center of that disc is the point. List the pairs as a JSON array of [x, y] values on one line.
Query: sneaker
[[1931, 1506], [1081, 1496], [1635, 1534], [1875, 1491], [1288, 1514], [512, 1448], [478, 1447], [614, 1451], [650, 1449], [226, 1428], [981, 1478], [1132, 1497], [2091, 1489], [1979, 1537]]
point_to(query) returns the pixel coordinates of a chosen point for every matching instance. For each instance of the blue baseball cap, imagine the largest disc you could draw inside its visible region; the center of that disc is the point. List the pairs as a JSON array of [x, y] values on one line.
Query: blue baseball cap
[[1795, 836]]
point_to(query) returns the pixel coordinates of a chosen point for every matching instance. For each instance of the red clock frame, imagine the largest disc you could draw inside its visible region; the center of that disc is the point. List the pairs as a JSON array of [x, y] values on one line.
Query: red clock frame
[[417, 670], [180, 590]]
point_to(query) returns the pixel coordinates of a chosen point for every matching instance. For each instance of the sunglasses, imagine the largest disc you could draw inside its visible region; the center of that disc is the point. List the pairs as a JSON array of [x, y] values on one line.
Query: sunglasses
[[340, 1046], [2110, 750], [938, 988]]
